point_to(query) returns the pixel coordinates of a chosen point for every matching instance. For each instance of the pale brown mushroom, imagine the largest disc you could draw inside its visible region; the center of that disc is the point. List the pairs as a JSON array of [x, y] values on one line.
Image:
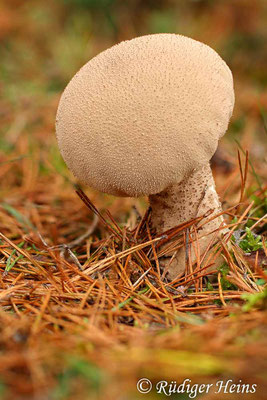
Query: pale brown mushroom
[[144, 118]]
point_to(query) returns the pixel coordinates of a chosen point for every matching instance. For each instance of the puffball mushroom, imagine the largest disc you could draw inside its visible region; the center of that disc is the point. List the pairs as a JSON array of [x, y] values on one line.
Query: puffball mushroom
[[144, 118]]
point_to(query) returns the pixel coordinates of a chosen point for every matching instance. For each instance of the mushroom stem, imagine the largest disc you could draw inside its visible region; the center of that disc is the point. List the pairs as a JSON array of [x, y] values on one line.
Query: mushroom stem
[[193, 197]]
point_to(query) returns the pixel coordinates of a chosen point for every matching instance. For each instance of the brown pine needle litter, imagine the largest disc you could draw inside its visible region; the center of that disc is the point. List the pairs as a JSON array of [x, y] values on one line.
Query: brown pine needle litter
[[98, 306]]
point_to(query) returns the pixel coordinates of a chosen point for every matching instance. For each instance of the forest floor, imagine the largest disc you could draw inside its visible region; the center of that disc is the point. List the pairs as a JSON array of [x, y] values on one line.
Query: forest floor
[[86, 310]]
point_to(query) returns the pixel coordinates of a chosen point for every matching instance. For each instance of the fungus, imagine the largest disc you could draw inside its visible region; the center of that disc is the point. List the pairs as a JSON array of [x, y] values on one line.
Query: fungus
[[144, 118]]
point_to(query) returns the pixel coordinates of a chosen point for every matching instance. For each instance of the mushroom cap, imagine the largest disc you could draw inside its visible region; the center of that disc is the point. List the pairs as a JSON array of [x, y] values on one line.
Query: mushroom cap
[[144, 114]]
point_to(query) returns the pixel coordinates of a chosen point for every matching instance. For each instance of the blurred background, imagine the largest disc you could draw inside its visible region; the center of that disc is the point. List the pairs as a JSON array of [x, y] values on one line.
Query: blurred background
[[44, 43]]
